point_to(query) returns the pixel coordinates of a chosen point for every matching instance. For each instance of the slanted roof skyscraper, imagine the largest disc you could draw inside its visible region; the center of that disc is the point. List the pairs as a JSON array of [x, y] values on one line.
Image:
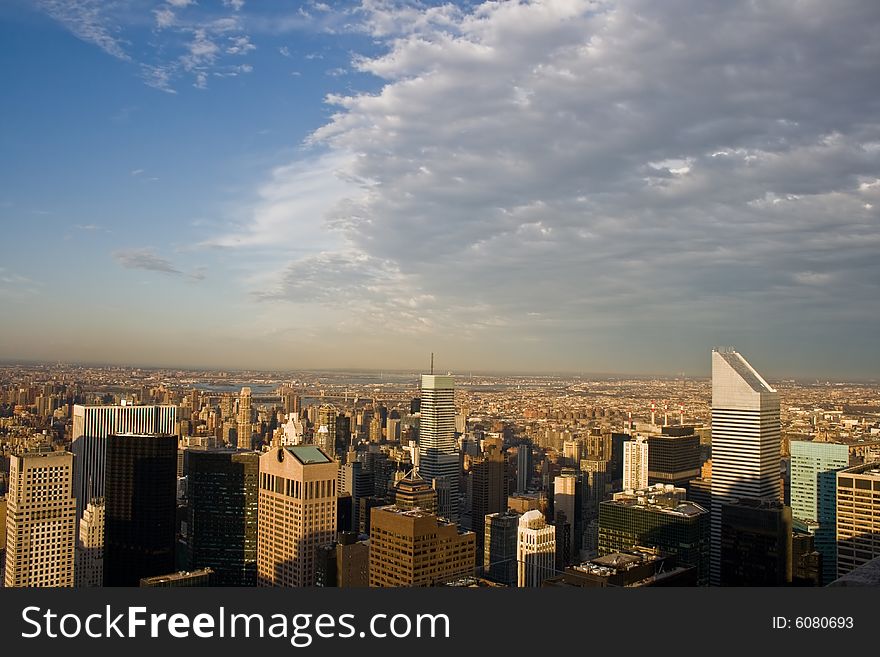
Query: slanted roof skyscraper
[[746, 441]]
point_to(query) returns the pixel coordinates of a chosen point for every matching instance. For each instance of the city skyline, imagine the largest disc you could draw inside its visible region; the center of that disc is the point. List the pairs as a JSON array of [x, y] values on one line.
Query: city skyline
[[545, 186]]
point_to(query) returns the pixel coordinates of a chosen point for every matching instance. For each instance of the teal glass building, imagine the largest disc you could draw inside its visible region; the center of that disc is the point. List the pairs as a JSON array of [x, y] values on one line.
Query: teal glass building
[[814, 496]]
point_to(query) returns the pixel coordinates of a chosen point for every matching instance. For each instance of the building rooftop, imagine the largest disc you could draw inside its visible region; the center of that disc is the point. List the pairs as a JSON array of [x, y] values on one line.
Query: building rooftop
[[183, 574], [871, 469], [659, 498], [308, 454], [748, 374]]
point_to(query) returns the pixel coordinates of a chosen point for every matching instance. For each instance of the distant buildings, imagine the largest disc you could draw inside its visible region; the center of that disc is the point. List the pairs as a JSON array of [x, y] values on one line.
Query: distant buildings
[[416, 548], [858, 516], [140, 507], [535, 550], [40, 521], [745, 441], [325, 436], [297, 514], [245, 419]]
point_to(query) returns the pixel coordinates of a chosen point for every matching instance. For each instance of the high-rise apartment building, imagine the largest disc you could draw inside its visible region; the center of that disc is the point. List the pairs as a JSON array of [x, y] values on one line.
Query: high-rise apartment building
[[89, 570], [535, 550], [635, 464], [297, 514], [245, 419], [499, 547], [858, 516], [40, 521], [140, 504], [745, 441], [92, 425], [414, 548], [221, 514], [438, 458], [814, 467]]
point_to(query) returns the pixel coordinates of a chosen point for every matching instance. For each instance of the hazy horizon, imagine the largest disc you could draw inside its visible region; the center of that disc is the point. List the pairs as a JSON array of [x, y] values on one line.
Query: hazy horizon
[[538, 186]]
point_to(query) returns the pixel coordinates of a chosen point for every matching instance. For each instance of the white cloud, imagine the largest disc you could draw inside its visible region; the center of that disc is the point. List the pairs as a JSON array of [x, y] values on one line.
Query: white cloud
[[164, 17], [188, 40], [87, 20], [240, 45], [594, 164]]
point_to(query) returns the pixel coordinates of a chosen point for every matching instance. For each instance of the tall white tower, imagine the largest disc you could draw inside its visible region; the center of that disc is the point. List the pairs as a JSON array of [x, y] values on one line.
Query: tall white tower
[[438, 458], [746, 441], [635, 464], [535, 549]]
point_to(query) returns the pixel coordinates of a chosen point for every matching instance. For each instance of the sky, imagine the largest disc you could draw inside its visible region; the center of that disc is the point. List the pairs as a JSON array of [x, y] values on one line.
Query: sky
[[546, 185]]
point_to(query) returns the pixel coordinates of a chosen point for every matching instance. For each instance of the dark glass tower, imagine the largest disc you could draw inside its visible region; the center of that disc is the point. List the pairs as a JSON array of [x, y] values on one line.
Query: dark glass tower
[[222, 515], [140, 506]]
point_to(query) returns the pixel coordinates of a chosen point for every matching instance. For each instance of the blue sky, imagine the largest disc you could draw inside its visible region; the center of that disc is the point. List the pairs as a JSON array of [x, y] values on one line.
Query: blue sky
[[612, 186]]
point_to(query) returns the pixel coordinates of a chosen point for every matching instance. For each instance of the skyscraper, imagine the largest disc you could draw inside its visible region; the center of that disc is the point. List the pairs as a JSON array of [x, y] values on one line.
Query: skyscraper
[[566, 503], [89, 571], [635, 464], [325, 436], [438, 458], [222, 515], [140, 507], [488, 489], [755, 543], [858, 516], [40, 521], [535, 550], [92, 425], [245, 427], [499, 551], [745, 441], [353, 478], [814, 496], [523, 467], [674, 456], [297, 514]]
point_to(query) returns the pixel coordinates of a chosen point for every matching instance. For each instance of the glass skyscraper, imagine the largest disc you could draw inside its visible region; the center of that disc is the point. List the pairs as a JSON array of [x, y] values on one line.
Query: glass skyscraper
[[814, 496]]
